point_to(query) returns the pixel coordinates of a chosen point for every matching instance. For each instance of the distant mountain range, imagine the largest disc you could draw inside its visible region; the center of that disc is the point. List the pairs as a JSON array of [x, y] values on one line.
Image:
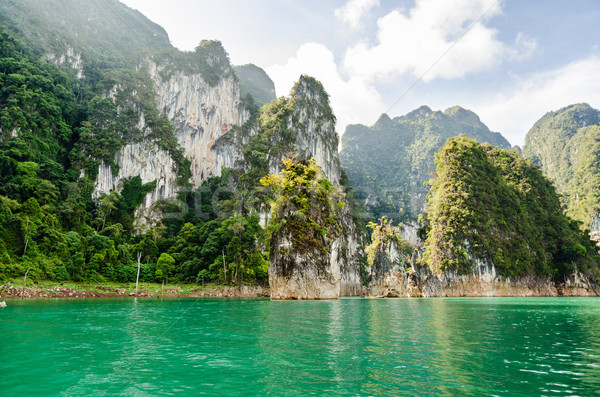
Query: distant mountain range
[[388, 163]]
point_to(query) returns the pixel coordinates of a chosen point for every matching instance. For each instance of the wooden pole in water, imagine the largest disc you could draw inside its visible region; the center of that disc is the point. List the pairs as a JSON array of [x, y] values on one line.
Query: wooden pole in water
[[224, 267], [24, 282], [137, 279]]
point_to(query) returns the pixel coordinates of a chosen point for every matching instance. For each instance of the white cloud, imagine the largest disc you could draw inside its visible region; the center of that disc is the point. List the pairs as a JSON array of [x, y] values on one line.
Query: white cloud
[[515, 111], [353, 10], [353, 101], [448, 34]]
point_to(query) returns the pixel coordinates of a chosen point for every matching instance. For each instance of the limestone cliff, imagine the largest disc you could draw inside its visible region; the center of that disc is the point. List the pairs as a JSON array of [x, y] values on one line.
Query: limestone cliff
[[151, 163], [311, 130], [68, 59], [420, 282], [201, 114], [303, 126], [396, 272]]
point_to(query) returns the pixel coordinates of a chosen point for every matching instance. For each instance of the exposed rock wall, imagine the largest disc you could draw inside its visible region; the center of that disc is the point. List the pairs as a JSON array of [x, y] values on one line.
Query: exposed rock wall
[[69, 59], [314, 129], [338, 274], [151, 163], [595, 229], [403, 284], [201, 115], [312, 274], [391, 279]]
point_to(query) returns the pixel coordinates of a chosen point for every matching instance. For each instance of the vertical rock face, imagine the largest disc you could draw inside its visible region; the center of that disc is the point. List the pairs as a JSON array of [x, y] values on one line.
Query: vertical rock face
[[390, 278], [313, 124], [70, 59], [201, 114], [151, 163], [310, 274], [316, 275]]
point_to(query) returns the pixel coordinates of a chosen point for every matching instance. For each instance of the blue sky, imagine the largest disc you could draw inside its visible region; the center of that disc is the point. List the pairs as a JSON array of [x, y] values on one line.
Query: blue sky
[[510, 61]]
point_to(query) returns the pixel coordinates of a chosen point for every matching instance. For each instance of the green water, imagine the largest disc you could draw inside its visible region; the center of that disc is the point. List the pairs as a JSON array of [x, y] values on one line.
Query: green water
[[479, 346]]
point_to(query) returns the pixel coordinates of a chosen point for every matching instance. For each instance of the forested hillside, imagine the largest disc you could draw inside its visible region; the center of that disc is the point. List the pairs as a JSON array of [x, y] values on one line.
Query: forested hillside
[[48, 221], [60, 118], [387, 163], [566, 145], [491, 207], [254, 81]]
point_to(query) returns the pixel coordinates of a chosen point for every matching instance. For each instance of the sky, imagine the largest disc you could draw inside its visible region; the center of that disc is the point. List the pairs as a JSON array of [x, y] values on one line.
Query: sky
[[509, 61]]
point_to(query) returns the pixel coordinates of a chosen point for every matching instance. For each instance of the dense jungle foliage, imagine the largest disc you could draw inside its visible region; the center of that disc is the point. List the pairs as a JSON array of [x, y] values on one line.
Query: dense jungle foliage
[[305, 206], [492, 206], [56, 128]]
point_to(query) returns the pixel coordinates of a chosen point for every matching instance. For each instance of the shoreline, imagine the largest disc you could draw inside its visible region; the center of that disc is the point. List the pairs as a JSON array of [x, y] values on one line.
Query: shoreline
[[59, 291], [392, 285]]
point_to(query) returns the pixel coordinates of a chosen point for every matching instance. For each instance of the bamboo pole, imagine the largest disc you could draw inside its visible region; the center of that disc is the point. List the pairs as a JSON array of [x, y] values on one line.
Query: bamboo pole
[[137, 279], [24, 282]]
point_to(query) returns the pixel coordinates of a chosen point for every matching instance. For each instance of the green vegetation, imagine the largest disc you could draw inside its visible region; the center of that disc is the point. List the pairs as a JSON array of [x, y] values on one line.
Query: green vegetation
[[53, 124], [382, 236], [95, 29], [491, 205], [387, 163], [254, 81], [566, 144], [208, 59], [305, 206]]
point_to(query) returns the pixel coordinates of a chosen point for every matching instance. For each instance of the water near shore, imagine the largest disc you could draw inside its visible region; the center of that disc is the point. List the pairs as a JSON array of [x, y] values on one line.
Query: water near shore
[[439, 346]]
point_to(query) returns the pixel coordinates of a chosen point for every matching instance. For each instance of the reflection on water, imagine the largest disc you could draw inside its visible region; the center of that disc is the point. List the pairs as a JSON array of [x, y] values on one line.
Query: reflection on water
[[457, 346]]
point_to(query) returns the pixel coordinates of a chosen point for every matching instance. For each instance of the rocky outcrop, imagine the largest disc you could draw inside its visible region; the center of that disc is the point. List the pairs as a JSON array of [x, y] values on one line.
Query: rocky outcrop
[[390, 278], [70, 59], [348, 254], [313, 126], [315, 275], [201, 114], [151, 163], [595, 229], [423, 284], [303, 274]]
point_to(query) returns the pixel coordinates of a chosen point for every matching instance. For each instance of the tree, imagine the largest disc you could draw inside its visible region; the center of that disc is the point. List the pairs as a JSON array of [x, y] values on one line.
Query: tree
[[164, 266]]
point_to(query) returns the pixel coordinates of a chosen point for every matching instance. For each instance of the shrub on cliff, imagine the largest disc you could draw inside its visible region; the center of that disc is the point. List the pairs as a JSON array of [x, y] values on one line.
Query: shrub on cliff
[[305, 205]]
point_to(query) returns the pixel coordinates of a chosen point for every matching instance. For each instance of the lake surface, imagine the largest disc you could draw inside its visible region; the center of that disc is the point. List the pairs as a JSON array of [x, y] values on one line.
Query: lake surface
[[366, 347]]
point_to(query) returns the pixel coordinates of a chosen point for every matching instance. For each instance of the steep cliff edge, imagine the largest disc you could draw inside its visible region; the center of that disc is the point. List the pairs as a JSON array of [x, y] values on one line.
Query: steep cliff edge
[[201, 107], [201, 113], [302, 127]]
